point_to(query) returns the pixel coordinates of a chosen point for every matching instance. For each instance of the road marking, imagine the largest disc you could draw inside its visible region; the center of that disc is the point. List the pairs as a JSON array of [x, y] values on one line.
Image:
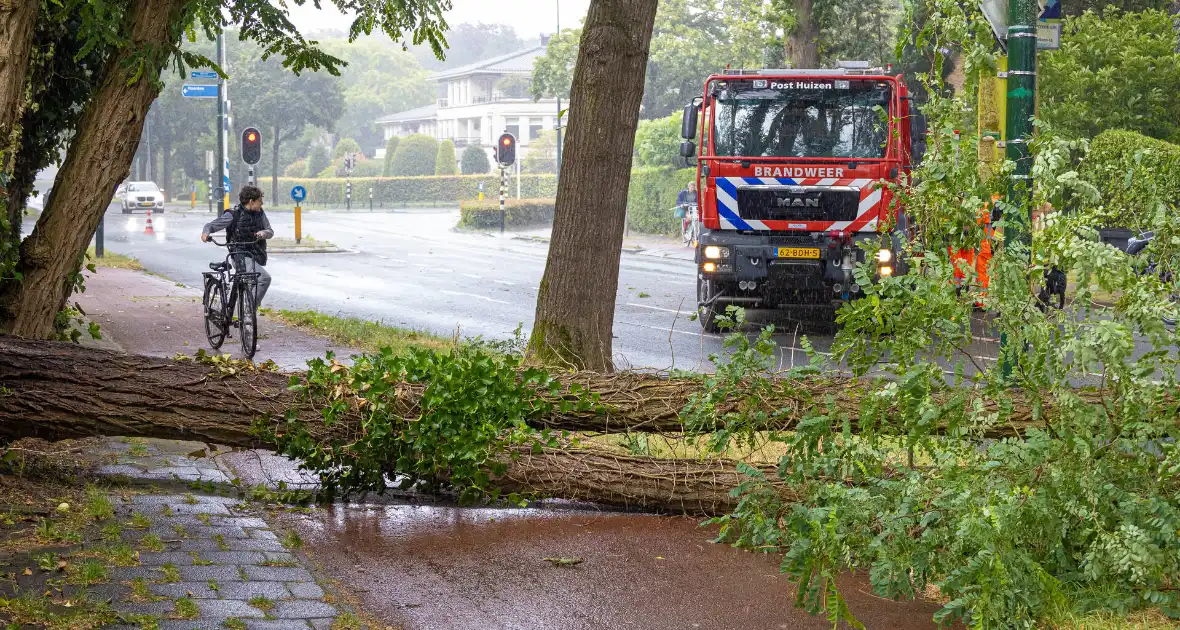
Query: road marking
[[656, 308], [511, 284], [481, 297], [472, 275]]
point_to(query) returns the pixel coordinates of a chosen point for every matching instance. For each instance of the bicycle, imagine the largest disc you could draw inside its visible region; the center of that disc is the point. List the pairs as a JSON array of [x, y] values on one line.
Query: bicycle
[[219, 312], [690, 226]]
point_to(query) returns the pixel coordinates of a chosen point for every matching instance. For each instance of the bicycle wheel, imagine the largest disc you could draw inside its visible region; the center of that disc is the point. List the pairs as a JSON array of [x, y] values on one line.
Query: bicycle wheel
[[215, 313], [248, 318]]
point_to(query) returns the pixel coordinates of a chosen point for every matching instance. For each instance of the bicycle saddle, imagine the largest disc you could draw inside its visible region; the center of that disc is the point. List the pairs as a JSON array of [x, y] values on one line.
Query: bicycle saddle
[[219, 266]]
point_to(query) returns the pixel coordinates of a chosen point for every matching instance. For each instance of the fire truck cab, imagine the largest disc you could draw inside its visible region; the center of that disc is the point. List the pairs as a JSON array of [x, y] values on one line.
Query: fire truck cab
[[790, 173]]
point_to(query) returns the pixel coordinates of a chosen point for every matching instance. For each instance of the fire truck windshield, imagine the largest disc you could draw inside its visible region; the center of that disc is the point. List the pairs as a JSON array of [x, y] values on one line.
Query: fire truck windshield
[[804, 118]]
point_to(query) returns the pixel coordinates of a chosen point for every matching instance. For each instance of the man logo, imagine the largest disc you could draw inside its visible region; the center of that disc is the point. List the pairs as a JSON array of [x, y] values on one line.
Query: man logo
[[760, 84], [796, 202]]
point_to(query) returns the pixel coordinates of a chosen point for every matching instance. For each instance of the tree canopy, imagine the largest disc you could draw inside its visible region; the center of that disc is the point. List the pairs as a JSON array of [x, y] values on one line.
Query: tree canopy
[[1115, 71]]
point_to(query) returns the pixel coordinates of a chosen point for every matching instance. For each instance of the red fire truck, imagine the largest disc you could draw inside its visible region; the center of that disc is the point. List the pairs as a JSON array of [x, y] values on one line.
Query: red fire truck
[[790, 172]]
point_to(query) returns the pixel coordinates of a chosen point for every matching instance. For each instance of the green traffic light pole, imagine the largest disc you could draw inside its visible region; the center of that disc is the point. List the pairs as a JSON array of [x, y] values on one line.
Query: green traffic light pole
[[1021, 100]]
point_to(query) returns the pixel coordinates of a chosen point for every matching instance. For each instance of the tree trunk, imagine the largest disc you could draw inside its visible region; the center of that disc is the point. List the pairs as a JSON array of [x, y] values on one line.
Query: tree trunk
[[56, 391], [274, 167], [76, 391], [576, 299], [98, 159], [802, 43], [17, 21]]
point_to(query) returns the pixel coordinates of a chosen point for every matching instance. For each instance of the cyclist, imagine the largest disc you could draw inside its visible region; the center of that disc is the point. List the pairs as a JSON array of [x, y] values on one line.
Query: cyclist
[[687, 197], [246, 223]]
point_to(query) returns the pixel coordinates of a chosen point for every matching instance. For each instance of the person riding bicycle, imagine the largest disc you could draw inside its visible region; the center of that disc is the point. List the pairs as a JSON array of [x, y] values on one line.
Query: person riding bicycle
[[687, 197], [246, 223]]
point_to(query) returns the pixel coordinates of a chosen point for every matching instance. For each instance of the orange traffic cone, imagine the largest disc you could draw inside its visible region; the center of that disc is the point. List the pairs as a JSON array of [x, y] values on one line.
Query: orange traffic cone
[[147, 229]]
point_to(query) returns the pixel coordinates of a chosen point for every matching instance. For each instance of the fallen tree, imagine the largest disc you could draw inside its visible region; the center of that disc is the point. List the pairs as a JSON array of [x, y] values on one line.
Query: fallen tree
[[74, 391]]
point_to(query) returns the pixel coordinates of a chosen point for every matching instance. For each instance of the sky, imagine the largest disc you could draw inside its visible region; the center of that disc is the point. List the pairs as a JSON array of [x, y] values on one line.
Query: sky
[[530, 18]]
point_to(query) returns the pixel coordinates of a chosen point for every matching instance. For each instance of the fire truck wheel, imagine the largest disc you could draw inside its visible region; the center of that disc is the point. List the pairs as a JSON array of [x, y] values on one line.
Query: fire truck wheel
[[706, 309]]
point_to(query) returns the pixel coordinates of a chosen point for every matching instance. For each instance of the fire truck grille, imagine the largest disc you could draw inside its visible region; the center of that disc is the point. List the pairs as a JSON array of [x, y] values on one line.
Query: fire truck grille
[[808, 204]]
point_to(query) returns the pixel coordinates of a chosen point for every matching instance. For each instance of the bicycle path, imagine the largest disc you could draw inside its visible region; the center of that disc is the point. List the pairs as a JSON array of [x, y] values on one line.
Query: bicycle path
[[164, 318]]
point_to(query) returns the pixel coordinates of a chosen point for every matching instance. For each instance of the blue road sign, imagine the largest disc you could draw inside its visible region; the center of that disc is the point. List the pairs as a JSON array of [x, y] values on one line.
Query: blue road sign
[[299, 193], [198, 91], [203, 74]]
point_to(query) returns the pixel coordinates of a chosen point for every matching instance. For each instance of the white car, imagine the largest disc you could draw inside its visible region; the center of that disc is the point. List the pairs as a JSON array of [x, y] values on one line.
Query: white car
[[142, 196]]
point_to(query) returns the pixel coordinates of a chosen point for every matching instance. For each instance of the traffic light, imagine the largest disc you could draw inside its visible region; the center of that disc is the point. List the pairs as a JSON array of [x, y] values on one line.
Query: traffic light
[[506, 150], [251, 146]]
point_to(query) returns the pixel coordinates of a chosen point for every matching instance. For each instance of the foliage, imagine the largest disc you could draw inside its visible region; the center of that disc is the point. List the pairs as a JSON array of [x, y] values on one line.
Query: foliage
[[541, 154], [514, 87], [651, 196], [1128, 59], [657, 142], [298, 168], [1134, 174], [390, 150], [518, 213], [472, 418], [444, 162], [380, 79], [475, 161], [318, 160], [553, 72], [468, 43], [415, 156], [345, 145], [1081, 514], [370, 336], [412, 190]]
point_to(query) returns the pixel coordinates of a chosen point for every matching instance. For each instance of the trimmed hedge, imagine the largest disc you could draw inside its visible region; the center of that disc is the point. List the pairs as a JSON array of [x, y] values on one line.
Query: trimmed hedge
[[518, 213], [1131, 171], [651, 197], [396, 191]]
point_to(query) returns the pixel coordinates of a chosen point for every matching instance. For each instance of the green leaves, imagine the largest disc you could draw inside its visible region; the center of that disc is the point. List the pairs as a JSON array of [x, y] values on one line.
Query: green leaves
[[470, 417]]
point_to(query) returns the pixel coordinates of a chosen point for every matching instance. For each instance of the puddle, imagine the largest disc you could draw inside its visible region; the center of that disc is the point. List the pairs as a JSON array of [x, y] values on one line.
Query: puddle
[[418, 566]]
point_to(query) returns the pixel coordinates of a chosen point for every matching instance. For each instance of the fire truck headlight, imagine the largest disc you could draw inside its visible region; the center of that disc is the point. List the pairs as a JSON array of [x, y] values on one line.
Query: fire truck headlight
[[884, 255], [715, 252], [885, 271], [709, 267]]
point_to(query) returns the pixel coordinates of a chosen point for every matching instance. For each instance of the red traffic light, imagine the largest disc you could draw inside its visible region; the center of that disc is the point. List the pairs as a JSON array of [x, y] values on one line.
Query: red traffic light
[[506, 155], [251, 145]]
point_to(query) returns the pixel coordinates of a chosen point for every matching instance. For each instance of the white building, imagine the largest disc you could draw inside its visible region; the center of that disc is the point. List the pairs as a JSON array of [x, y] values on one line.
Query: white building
[[478, 102]]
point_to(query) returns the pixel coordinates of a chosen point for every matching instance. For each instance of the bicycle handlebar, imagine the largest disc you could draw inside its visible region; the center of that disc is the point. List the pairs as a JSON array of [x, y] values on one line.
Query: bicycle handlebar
[[229, 244]]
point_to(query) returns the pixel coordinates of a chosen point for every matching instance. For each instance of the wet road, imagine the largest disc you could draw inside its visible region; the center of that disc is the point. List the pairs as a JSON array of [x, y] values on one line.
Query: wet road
[[421, 567], [411, 269]]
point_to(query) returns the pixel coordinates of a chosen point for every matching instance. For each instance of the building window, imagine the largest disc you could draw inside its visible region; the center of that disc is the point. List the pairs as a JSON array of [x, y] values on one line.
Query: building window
[[514, 130], [535, 127]]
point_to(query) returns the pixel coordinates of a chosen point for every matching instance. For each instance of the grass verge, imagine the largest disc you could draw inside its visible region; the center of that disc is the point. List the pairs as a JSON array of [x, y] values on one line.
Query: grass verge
[[358, 333], [111, 260]]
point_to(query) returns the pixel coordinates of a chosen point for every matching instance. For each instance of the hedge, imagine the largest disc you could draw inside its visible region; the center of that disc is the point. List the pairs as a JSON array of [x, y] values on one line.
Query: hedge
[[396, 191], [651, 197], [518, 213], [1131, 171]]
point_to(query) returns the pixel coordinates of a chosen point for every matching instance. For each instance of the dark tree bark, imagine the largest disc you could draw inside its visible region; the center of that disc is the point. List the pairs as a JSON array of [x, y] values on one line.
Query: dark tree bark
[[802, 43], [17, 21], [576, 299], [98, 159]]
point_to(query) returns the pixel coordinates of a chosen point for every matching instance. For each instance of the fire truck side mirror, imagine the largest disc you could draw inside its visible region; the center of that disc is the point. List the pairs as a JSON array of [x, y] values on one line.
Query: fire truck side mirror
[[688, 149], [688, 126]]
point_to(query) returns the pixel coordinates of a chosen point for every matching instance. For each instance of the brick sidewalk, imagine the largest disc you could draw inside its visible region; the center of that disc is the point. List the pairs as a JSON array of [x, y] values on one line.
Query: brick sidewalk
[[192, 559]]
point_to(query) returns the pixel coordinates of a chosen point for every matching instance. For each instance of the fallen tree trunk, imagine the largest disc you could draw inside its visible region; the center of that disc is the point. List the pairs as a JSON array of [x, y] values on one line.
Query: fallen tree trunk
[[57, 391], [72, 391]]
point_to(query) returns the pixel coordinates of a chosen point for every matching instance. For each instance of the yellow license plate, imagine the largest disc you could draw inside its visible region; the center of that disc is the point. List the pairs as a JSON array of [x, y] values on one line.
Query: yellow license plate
[[798, 252]]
